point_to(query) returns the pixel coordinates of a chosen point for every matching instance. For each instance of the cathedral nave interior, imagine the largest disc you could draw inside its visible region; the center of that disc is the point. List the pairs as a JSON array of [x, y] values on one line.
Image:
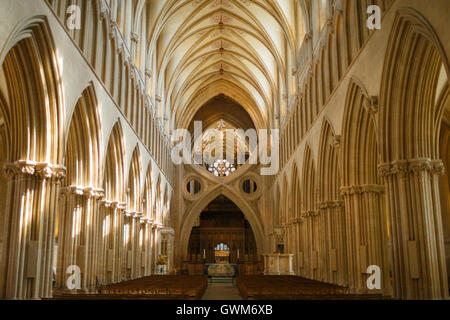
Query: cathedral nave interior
[[92, 93]]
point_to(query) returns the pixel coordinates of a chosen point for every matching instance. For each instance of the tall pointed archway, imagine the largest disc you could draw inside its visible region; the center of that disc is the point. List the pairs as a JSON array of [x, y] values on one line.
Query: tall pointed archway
[[250, 214]]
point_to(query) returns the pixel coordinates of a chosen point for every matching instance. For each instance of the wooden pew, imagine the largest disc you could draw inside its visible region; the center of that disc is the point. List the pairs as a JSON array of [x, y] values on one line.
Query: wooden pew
[[152, 287], [292, 288]]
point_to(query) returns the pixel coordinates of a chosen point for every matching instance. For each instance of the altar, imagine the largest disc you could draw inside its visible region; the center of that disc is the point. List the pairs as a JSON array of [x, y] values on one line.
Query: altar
[[221, 270], [278, 264], [222, 267]]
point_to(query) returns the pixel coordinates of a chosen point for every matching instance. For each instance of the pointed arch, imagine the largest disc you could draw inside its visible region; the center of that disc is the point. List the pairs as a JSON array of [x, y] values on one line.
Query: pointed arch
[[309, 214], [114, 176], [363, 191], [165, 206], [33, 111], [410, 79], [360, 154], [284, 208], [147, 195], [157, 207], [328, 165], [296, 244], [134, 182], [332, 206], [309, 201], [197, 208], [410, 119], [295, 192], [84, 146], [35, 94]]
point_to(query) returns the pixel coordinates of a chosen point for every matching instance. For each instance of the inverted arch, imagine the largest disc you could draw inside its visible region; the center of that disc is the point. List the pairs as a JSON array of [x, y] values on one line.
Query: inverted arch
[[198, 207]]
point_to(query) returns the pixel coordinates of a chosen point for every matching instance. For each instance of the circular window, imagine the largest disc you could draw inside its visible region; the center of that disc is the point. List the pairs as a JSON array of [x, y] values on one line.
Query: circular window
[[249, 186], [193, 187], [221, 168]]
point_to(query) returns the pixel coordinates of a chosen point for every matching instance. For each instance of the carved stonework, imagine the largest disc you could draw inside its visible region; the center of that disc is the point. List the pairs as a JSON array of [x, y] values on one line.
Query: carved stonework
[[148, 73], [81, 191], [370, 188], [309, 213], [371, 105], [135, 37], [408, 166], [113, 204], [331, 204], [41, 170], [335, 141]]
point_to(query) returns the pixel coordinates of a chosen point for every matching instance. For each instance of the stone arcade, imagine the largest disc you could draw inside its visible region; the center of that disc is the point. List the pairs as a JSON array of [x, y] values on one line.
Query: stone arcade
[[87, 116]]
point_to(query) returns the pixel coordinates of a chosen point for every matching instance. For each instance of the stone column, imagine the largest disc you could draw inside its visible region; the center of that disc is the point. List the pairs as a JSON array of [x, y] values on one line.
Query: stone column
[[334, 241], [311, 250], [298, 246], [171, 233], [143, 247], [323, 250], [418, 254], [310, 267], [105, 243], [113, 248], [30, 216], [315, 235], [79, 234], [127, 262], [135, 245], [149, 246], [156, 241], [293, 241], [94, 233], [366, 230]]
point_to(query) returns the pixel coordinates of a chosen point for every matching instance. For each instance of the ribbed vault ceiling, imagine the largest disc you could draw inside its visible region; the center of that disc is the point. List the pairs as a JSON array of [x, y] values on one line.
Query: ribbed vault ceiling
[[239, 48]]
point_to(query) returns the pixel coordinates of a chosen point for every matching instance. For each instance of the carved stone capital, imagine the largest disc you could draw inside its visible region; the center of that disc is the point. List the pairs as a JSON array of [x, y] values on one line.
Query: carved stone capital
[[309, 213], [82, 191], [135, 37], [361, 189], [115, 205], [411, 166], [37, 169], [331, 204], [371, 105], [308, 36], [335, 141]]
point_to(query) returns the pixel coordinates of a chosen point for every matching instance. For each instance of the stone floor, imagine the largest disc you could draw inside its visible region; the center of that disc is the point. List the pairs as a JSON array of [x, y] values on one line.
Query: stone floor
[[221, 291]]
